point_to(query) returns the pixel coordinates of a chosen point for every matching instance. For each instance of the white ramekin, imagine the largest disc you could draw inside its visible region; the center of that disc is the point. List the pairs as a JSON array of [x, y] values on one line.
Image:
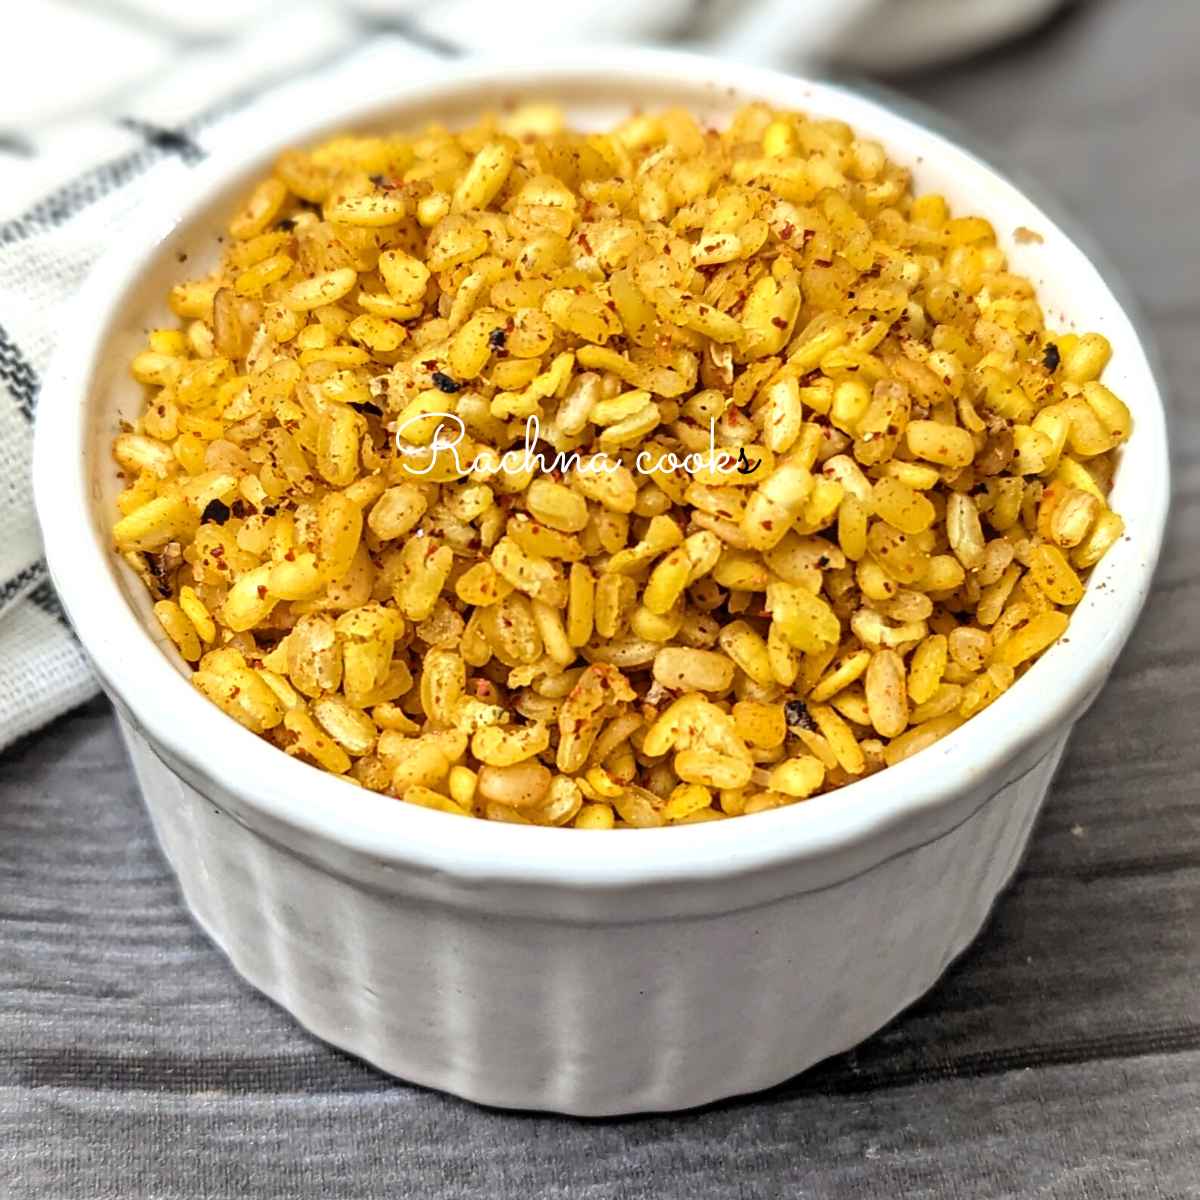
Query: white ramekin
[[582, 972]]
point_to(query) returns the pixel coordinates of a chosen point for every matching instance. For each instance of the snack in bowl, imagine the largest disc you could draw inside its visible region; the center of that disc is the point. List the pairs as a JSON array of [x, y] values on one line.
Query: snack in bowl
[[621, 479]]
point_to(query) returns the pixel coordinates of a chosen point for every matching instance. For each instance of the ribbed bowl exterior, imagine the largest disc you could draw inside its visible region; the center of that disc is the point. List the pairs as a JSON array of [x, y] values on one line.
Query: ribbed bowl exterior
[[595, 1019]]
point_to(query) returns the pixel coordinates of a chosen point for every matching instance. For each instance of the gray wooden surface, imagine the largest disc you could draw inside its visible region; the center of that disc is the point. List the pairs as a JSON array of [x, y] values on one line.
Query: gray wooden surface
[[1059, 1058]]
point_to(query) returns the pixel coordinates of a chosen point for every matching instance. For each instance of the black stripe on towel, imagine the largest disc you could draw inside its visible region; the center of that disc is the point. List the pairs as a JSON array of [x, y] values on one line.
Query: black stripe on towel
[[18, 375], [63, 203], [15, 144], [46, 598], [33, 576], [100, 181], [399, 26], [165, 139]]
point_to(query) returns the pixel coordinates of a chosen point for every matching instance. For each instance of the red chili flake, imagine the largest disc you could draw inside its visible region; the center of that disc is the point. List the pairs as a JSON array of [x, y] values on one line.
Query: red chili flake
[[786, 232], [779, 322], [262, 592]]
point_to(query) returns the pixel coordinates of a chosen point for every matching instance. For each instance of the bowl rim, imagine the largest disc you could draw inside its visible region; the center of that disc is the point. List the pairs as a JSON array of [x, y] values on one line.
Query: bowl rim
[[880, 815]]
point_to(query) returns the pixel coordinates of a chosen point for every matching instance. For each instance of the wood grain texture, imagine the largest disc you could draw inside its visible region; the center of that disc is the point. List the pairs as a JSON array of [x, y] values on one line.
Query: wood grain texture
[[1060, 1057]]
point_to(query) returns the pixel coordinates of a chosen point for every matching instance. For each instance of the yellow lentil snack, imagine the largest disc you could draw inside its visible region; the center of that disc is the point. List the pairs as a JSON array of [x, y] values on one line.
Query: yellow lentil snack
[[910, 489]]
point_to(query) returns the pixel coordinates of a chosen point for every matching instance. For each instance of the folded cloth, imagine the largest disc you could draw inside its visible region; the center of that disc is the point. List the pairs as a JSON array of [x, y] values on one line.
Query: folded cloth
[[108, 162], [102, 104]]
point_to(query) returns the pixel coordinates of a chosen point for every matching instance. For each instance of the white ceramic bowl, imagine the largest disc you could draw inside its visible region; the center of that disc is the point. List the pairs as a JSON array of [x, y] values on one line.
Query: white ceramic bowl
[[583, 972]]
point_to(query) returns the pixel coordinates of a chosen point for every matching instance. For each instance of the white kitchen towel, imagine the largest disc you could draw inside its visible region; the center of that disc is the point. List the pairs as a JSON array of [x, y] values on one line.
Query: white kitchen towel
[[99, 103]]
